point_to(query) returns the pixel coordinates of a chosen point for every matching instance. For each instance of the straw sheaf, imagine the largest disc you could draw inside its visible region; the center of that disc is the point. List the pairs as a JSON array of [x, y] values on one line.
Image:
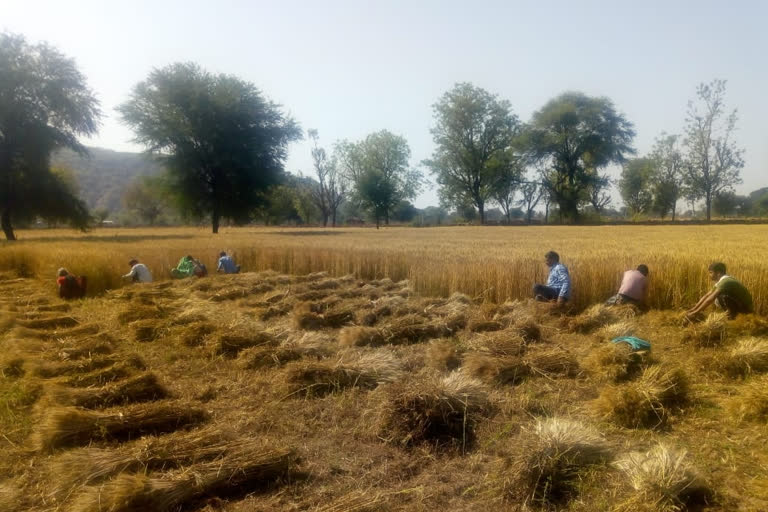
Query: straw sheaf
[[364, 371], [76, 332], [85, 466], [664, 478], [245, 470], [617, 329], [145, 330], [194, 334], [748, 356], [143, 388], [443, 355], [491, 369], [229, 345], [275, 311], [480, 325], [49, 323], [616, 362], [118, 371], [551, 362], [355, 501], [307, 316], [12, 367], [311, 345], [49, 370], [552, 455], [647, 402], [593, 318], [86, 350], [441, 412], [507, 342], [134, 313], [709, 333], [68, 426], [751, 404]]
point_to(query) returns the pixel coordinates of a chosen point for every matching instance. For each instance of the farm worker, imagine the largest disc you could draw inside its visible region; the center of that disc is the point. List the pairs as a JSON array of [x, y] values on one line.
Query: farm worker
[[227, 264], [633, 289], [558, 285], [139, 272], [70, 286], [188, 267], [728, 293]]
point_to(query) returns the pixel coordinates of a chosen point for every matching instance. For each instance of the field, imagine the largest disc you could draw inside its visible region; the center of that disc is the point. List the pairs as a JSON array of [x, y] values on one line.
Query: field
[[393, 370]]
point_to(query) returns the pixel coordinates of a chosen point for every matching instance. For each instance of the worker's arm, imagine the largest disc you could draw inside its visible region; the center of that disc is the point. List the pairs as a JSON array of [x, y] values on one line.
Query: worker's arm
[[704, 302], [130, 274]]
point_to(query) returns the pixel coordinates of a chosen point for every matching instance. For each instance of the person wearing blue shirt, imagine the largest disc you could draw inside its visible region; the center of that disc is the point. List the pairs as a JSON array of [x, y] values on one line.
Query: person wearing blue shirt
[[227, 264], [558, 285]]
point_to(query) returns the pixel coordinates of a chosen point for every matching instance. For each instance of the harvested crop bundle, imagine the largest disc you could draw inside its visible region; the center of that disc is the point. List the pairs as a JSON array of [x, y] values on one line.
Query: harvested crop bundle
[[443, 355], [229, 345], [67, 426], [49, 323], [493, 369], [120, 370], [551, 362], [144, 388], [748, 356], [442, 412], [616, 362], [709, 333]]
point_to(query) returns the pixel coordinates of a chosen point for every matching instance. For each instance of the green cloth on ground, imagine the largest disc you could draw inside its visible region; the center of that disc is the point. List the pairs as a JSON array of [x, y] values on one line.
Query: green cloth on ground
[[733, 288], [636, 343]]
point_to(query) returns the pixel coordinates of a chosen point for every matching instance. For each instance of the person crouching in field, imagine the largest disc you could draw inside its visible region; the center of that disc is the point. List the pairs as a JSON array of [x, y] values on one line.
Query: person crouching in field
[[728, 293], [70, 286], [558, 287], [188, 267], [633, 289], [139, 272], [227, 264]]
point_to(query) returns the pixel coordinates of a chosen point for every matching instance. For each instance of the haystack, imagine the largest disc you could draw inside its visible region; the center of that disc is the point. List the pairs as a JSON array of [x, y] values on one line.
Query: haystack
[[709, 333], [118, 371], [493, 369], [229, 345], [144, 388], [443, 355], [616, 362], [751, 404], [361, 337], [648, 401], [551, 362], [68, 426], [320, 378], [442, 412], [664, 479], [245, 470], [552, 456], [49, 323], [86, 466], [748, 356]]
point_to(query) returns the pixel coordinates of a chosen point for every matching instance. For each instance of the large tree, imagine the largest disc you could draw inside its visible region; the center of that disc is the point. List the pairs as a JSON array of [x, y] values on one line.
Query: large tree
[[668, 175], [146, 196], [635, 185], [331, 188], [474, 134], [45, 104], [713, 160], [574, 136], [379, 169], [223, 143]]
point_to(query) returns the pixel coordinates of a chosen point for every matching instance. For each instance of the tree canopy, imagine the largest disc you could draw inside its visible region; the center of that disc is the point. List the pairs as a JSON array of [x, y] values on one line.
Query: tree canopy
[[45, 104], [474, 157], [574, 136], [223, 143]]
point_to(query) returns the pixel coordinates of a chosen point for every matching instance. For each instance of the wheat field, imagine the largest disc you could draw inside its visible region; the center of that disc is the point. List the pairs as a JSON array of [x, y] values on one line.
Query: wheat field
[[488, 263]]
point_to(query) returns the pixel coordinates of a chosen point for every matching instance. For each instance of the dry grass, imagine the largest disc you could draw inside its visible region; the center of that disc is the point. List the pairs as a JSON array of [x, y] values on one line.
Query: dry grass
[[751, 404], [366, 371], [133, 313], [361, 337], [120, 370], [145, 330], [310, 345], [748, 356], [617, 329], [551, 458], [48, 323], [63, 427], [709, 333], [663, 479], [229, 345], [593, 318], [616, 362], [443, 355], [551, 362], [491, 369], [648, 401], [86, 350], [440, 412], [195, 333], [48, 370], [144, 388], [247, 469]]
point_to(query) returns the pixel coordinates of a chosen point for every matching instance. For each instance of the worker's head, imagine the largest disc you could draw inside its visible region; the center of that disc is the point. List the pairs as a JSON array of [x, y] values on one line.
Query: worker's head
[[716, 270], [133, 262], [222, 254], [643, 269], [62, 272], [551, 258]]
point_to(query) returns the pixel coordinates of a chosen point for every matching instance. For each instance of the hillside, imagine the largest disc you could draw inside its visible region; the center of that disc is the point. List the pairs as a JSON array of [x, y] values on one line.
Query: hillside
[[103, 176], [261, 392]]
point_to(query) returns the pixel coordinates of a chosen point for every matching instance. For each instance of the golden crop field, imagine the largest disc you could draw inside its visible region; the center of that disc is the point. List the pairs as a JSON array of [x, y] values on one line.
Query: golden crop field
[[488, 263]]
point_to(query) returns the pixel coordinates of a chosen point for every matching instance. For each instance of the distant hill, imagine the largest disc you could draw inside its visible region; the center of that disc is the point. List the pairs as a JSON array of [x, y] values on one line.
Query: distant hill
[[103, 176]]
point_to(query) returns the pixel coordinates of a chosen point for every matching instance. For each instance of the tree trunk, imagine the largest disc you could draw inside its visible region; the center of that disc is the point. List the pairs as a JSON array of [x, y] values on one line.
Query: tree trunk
[[333, 219], [709, 207], [674, 207], [325, 219], [215, 218], [5, 221], [481, 209]]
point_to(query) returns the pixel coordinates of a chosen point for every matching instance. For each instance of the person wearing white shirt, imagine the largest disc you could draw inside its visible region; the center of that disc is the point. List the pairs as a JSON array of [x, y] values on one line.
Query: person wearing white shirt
[[139, 272]]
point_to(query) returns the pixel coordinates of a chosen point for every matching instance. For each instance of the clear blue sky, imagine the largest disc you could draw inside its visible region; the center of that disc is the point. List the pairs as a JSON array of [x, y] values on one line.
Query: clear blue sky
[[349, 68]]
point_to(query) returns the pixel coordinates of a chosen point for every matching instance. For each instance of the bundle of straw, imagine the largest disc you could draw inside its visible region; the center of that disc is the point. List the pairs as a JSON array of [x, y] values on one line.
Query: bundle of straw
[[748, 356], [144, 388]]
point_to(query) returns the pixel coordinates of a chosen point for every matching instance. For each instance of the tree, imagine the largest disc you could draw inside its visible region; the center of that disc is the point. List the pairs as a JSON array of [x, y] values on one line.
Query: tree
[[713, 161], [727, 203], [574, 136], [532, 192], [474, 134], [596, 192], [668, 177], [146, 196], [379, 170], [223, 143], [635, 185], [45, 104], [332, 187]]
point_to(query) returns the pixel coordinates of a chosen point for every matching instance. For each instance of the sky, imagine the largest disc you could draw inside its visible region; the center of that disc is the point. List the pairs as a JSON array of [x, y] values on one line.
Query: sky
[[350, 68]]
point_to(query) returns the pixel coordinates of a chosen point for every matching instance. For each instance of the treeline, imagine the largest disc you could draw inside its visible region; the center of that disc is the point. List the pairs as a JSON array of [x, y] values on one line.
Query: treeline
[[223, 146]]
